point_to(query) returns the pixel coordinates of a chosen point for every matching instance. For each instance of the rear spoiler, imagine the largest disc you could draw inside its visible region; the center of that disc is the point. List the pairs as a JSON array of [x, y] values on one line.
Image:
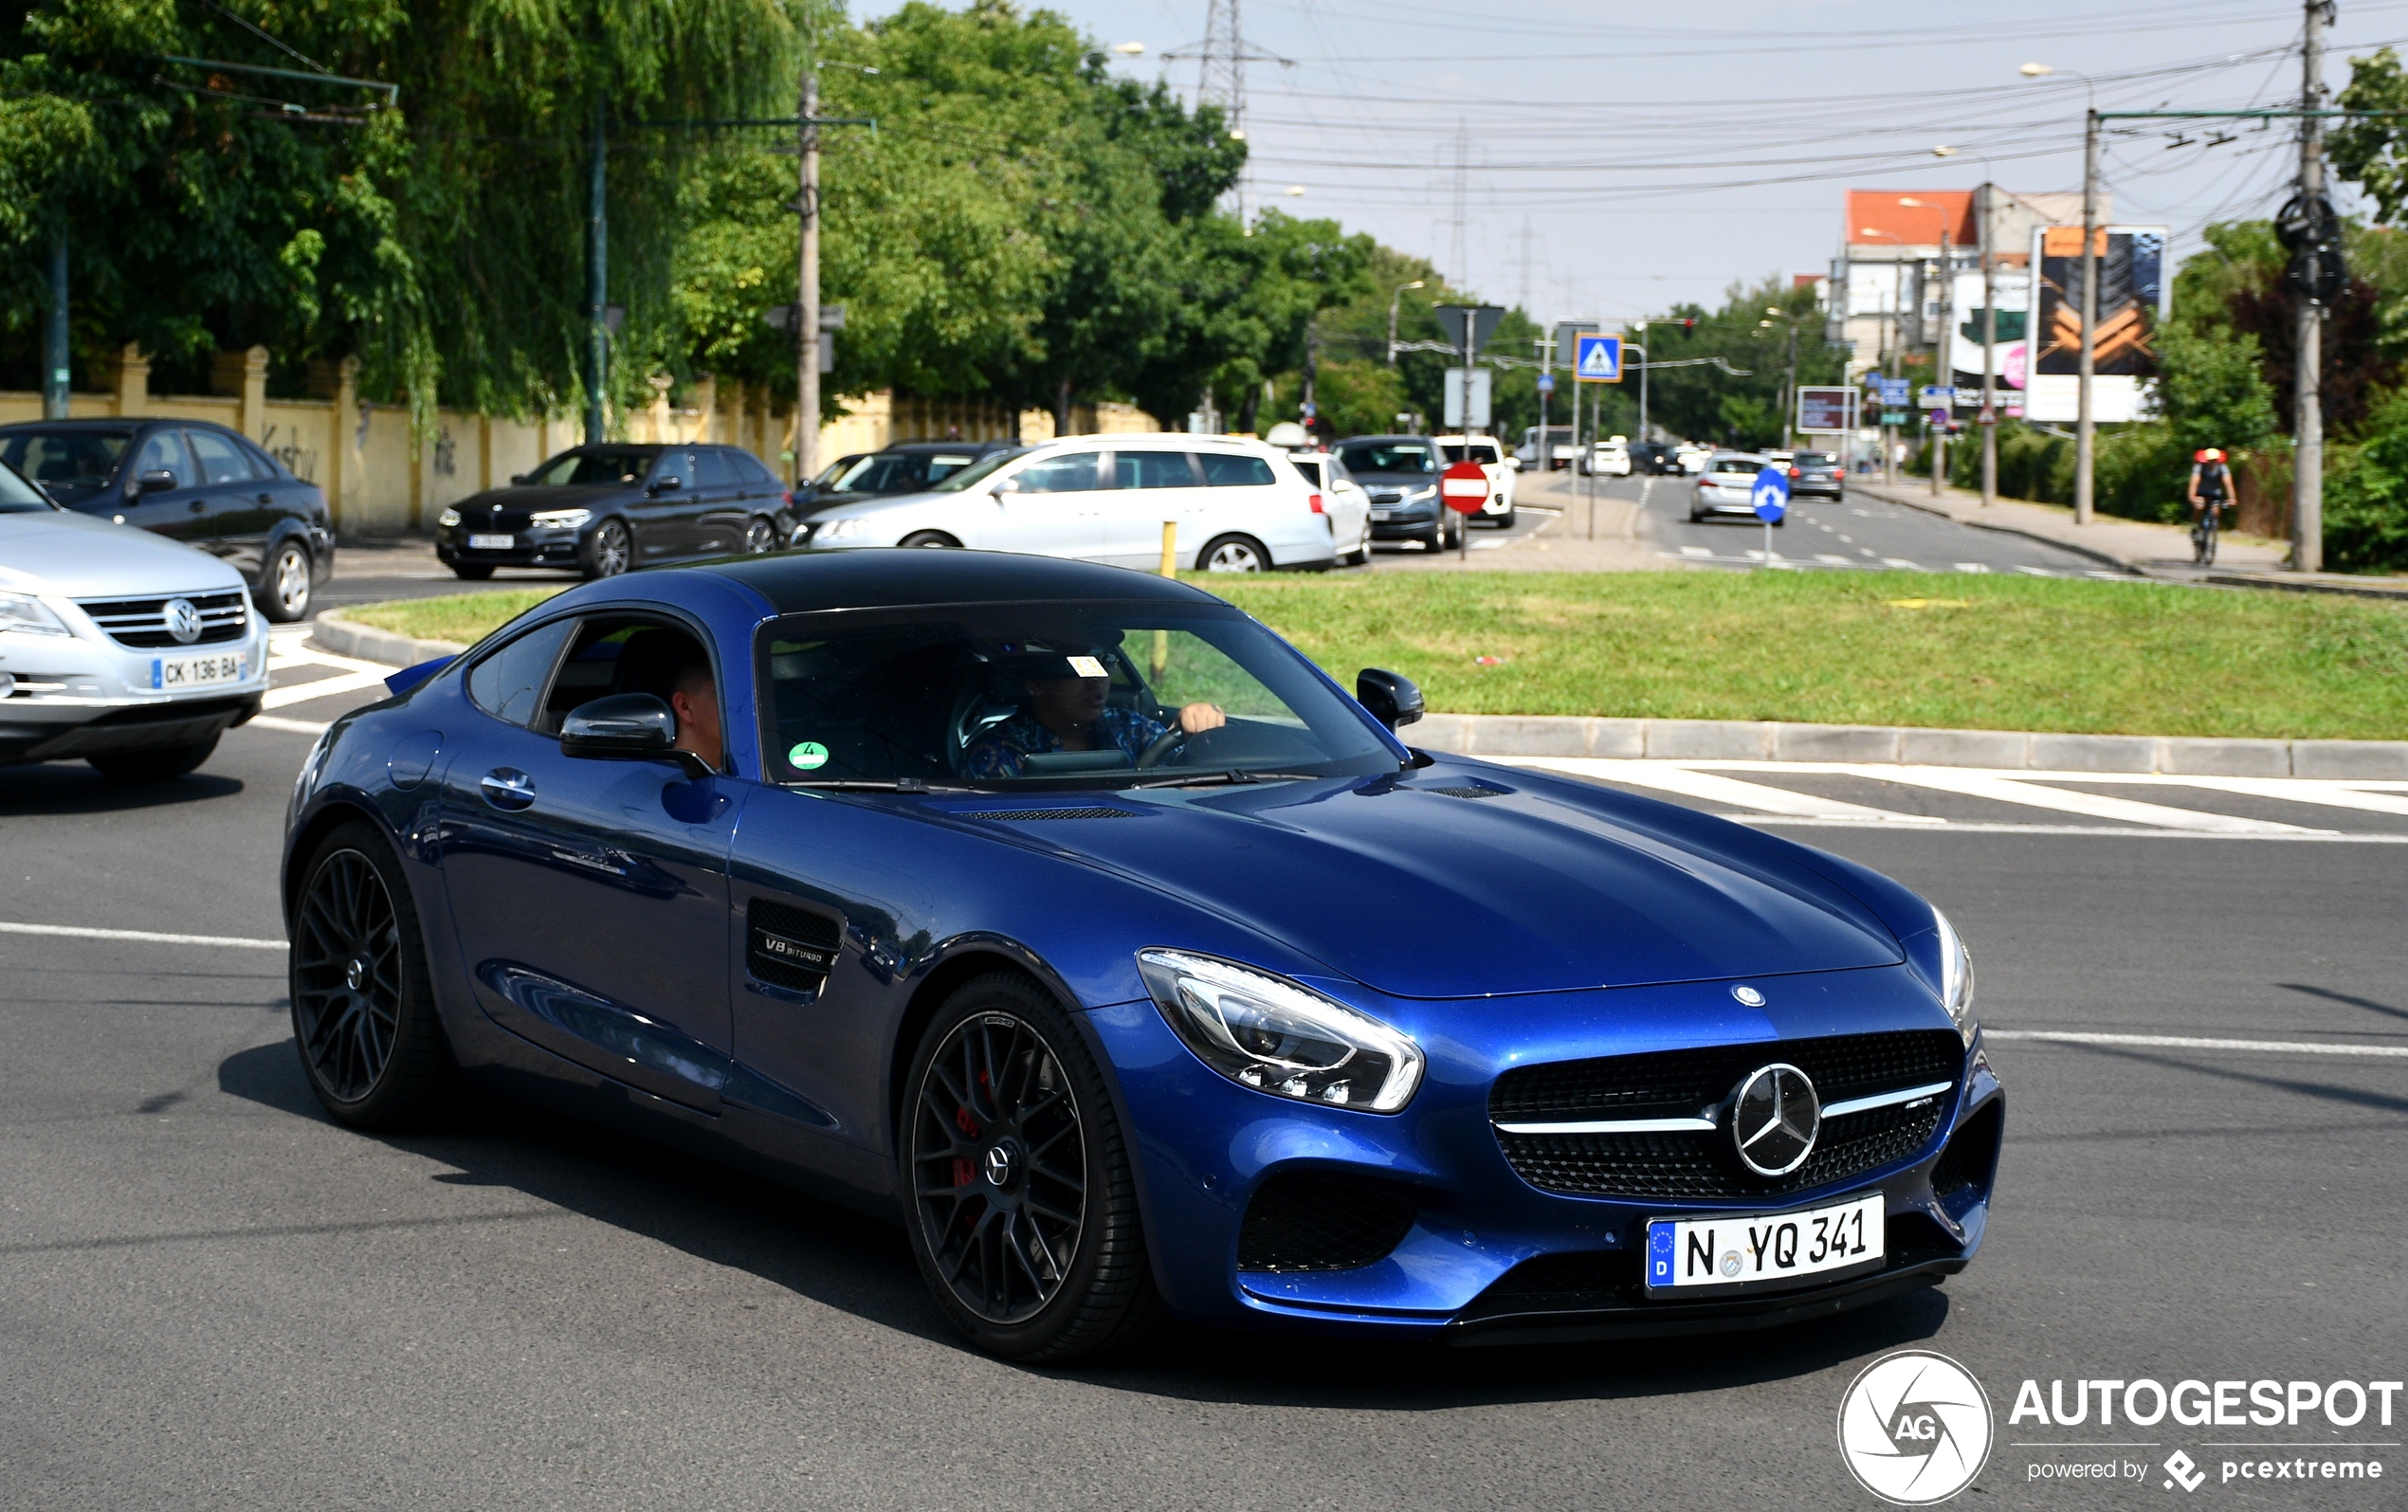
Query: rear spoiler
[[410, 677]]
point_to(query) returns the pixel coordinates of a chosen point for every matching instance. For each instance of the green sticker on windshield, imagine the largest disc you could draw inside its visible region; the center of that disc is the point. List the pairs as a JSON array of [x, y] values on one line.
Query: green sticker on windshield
[[807, 757]]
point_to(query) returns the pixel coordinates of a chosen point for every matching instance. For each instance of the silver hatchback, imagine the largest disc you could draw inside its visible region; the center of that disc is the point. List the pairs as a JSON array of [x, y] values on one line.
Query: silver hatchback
[[1727, 486], [118, 647]]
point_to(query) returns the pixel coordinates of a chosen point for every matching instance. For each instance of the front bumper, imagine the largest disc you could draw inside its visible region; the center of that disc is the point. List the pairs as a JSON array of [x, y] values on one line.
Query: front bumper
[[83, 694], [549, 546], [1484, 1254], [1405, 522]]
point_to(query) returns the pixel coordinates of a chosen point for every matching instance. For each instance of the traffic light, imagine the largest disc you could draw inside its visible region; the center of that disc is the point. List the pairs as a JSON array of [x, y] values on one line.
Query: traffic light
[[2310, 232]]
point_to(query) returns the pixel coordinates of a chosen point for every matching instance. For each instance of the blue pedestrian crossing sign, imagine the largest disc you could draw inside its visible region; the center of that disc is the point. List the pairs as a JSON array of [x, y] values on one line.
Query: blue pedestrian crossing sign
[[1546, 383], [1598, 357], [1771, 496]]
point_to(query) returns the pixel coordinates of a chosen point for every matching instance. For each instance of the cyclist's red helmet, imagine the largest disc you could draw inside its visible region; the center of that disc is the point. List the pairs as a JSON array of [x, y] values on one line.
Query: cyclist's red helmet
[[2210, 454]]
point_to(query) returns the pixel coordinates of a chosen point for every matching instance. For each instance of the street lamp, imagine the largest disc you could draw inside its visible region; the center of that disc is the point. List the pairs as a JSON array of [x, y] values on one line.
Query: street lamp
[[1788, 389], [1944, 364], [1129, 49], [2084, 448], [1393, 301]]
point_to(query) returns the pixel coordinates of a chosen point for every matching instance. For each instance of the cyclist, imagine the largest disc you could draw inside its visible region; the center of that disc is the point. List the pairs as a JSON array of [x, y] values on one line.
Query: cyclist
[[2211, 493]]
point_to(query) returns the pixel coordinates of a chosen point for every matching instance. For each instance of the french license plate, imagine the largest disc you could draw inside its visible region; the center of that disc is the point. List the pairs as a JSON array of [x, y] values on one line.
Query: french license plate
[[1734, 1249], [492, 544], [1380, 516], [195, 671]]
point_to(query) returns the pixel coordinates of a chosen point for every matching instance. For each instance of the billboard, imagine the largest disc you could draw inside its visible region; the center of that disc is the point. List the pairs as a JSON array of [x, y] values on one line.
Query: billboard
[[2013, 290], [2132, 300], [1826, 409]]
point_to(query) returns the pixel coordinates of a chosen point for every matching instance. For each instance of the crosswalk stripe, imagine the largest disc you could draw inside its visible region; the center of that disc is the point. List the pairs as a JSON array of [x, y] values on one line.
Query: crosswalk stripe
[[2183, 1042], [1715, 788], [1978, 784], [146, 936], [1901, 561], [270, 721], [324, 687]]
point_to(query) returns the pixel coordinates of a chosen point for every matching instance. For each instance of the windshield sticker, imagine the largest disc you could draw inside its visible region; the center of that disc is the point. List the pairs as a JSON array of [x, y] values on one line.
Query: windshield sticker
[[1087, 667], [807, 755]]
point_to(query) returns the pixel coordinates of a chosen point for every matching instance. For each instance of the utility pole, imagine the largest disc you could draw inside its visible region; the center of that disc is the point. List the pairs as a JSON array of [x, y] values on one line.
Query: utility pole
[[1943, 365], [2085, 431], [1897, 339], [1989, 354], [1459, 256], [2307, 423], [807, 276], [597, 282], [54, 334]]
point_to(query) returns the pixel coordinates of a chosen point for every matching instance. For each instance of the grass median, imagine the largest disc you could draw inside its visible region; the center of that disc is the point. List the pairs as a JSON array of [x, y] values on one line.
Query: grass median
[[1931, 649]]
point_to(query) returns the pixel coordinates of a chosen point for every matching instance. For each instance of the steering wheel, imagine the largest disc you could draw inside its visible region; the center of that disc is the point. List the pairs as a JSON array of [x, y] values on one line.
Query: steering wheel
[[1165, 743]]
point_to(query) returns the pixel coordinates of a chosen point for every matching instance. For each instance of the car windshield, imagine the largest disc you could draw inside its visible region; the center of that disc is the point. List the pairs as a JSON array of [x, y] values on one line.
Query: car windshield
[[1748, 465], [65, 457], [17, 497], [601, 464], [975, 472], [836, 469], [1079, 695], [1389, 456], [1477, 452]]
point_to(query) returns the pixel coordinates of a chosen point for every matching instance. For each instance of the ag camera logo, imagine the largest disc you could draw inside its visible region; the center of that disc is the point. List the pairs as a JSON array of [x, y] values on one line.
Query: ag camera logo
[[1914, 1428]]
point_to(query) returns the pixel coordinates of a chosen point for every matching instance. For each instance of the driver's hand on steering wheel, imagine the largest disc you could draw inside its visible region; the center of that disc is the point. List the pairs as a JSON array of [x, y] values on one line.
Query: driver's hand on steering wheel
[[1198, 717]]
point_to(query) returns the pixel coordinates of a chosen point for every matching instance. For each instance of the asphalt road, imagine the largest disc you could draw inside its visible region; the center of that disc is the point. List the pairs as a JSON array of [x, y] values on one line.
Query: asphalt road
[[1853, 533], [210, 1296]]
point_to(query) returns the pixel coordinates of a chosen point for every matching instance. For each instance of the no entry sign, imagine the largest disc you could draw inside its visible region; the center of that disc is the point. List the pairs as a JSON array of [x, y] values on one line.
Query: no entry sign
[[1464, 487]]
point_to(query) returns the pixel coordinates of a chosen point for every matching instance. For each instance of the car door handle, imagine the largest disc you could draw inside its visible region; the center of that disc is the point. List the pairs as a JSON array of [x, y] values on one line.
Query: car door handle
[[268, 499], [508, 787], [199, 505]]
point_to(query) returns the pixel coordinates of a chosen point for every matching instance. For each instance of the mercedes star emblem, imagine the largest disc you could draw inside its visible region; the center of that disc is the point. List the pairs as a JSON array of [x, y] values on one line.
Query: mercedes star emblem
[[1775, 1117], [1748, 995], [183, 621]]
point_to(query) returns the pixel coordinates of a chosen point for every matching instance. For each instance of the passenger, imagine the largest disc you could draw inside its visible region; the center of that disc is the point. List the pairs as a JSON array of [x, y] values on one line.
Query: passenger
[[694, 698], [1069, 713]]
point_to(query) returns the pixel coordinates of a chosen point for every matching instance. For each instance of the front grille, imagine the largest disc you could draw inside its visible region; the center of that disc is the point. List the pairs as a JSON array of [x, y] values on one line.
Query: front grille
[[1028, 815], [142, 622], [1309, 1220], [788, 947], [1701, 1165]]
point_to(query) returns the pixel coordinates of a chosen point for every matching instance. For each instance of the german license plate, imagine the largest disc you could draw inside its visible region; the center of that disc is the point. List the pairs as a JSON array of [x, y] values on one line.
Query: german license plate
[[1380, 516], [492, 544], [1735, 1249], [195, 671]]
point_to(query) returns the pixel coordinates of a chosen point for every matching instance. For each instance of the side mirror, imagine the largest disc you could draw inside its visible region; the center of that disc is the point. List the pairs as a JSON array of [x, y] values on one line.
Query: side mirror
[[626, 727], [158, 479], [1392, 698], [667, 485], [517, 479], [1005, 485]]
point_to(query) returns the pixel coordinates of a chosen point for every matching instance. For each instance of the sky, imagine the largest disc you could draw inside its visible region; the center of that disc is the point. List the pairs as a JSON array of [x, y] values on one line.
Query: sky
[[1621, 158]]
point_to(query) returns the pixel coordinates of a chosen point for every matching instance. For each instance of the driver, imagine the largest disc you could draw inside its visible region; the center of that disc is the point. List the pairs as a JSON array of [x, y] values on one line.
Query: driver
[[694, 698], [1065, 710]]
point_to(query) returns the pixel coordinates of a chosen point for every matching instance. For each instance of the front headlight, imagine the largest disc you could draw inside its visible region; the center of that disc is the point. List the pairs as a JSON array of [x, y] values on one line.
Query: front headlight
[[448, 518], [1279, 1036], [1955, 978], [560, 519], [838, 529], [23, 611], [1415, 496]]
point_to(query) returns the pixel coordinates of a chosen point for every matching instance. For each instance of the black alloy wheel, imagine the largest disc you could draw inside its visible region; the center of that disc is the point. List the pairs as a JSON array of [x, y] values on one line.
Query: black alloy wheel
[[760, 537], [1023, 1199], [363, 1013], [286, 586], [610, 550], [931, 540]]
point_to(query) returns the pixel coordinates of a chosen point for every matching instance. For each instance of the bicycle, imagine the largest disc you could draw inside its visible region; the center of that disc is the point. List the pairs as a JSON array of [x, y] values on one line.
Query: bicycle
[[2204, 534]]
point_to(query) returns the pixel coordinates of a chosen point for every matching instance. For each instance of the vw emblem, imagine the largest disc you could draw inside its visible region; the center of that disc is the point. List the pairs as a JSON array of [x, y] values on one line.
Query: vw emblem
[[183, 621], [1775, 1117]]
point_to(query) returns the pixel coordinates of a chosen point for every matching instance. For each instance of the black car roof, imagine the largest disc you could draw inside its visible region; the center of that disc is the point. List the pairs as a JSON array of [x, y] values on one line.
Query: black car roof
[[893, 577], [106, 424], [919, 448], [1349, 441]]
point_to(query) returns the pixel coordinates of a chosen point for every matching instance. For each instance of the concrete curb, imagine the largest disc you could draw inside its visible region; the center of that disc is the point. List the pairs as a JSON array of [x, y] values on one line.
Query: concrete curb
[[331, 632], [1501, 735], [1541, 735]]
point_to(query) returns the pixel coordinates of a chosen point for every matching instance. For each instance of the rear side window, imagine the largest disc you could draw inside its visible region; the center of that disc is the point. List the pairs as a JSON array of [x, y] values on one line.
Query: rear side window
[[507, 683], [1152, 469], [1226, 470], [1310, 468], [749, 469], [221, 460], [1074, 473], [711, 471], [1738, 464]]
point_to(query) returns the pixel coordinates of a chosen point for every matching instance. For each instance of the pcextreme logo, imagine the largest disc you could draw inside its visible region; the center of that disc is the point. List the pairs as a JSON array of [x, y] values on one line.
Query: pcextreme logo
[[1914, 1428]]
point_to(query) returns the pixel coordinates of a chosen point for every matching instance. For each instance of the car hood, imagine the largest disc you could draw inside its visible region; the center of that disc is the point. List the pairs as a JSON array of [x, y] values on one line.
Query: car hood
[[510, 507], [1418, 893], [79, 557]]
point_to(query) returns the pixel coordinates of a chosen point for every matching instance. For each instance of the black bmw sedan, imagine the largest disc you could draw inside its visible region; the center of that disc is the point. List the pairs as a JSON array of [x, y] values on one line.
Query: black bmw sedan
[[600, 510]]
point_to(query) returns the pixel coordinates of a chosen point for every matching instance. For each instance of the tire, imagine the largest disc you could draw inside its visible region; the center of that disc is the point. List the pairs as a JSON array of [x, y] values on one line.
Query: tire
[[364, 1018], [1234, 554], [287, 583], [760, 537], [931, 539], [159, 764], [468, 572], [1001, 1079], [609, 551]]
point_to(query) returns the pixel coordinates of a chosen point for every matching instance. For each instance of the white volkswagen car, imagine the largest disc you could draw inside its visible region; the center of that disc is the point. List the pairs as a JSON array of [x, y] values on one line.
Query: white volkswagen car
[[1237, 506], [1489, 453], [1347, 501], [118, 647]]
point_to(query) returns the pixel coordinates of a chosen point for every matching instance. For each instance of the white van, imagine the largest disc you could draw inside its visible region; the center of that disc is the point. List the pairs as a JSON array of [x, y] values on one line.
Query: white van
[[1497, 509], [1238, 505]]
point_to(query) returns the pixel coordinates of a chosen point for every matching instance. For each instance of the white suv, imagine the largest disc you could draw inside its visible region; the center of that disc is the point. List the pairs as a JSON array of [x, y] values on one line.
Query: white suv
[[1238, 506]]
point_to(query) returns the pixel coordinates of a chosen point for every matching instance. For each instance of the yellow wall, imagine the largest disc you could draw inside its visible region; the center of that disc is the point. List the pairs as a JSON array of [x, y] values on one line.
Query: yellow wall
[[378, 482]]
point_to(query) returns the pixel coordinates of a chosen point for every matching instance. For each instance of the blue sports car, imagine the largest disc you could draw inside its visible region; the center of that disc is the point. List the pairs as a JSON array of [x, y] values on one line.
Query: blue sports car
[[1073, 919]]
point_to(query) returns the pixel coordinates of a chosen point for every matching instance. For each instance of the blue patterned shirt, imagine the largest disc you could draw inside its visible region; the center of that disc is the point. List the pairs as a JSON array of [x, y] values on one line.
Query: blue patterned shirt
[[998, 753]]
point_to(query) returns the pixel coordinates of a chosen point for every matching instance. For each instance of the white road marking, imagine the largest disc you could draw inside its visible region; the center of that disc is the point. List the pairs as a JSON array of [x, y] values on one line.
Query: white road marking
[[2176, 1042], [1835, 561], [1960, 826], [1714, 788], [1901, 561], [270, 721], [148, 936], [2036, 572], [291, 654], [2319, 790], [1697, 551], [324, 687], [1973, 566], [1973, 783]]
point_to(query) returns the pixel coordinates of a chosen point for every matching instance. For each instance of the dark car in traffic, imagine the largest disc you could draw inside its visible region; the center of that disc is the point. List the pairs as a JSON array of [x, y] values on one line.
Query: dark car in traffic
[[1818, 473], [600, 510], [204, 484], [1657, 457], [1402, 475]]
